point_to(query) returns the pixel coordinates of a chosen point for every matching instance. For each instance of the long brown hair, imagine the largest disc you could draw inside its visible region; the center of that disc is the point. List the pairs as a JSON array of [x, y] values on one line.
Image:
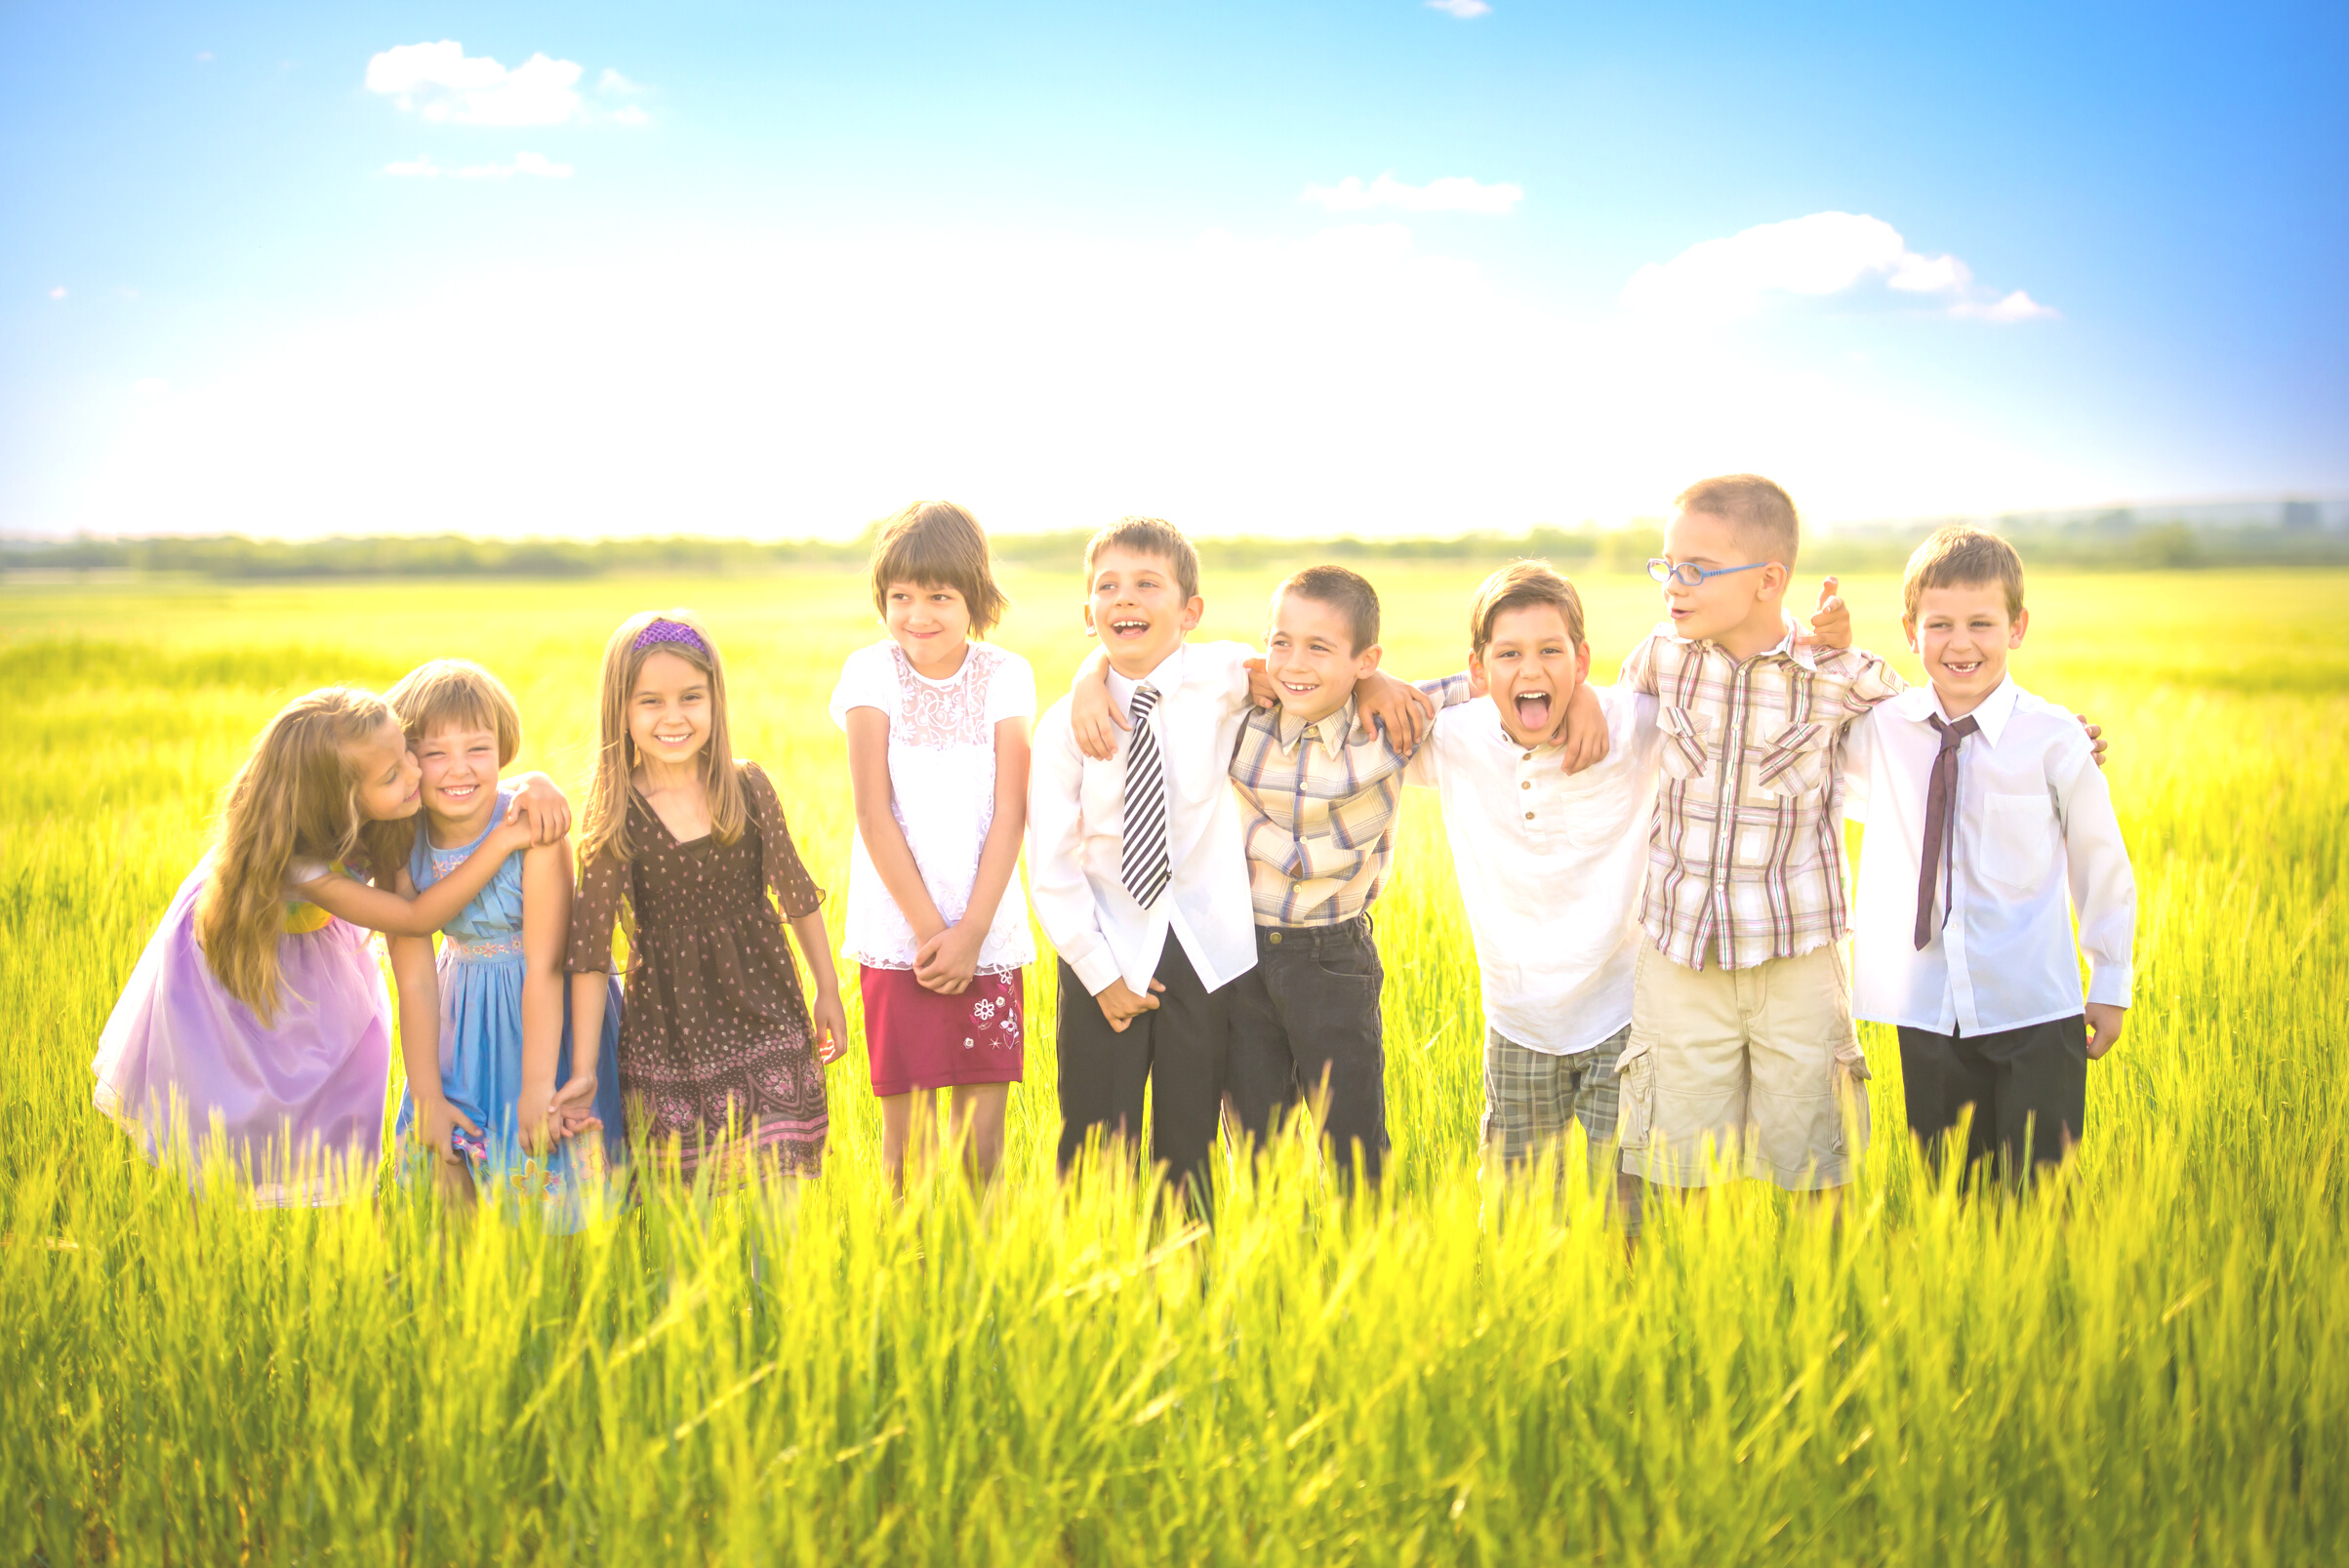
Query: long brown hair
[[605, 825], [296, 798]]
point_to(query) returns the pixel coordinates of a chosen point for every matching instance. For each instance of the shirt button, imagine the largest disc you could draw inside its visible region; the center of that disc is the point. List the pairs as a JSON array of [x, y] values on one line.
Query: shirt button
[[1525, 783], [1275, 938], [1529, 815], [1528, 756]]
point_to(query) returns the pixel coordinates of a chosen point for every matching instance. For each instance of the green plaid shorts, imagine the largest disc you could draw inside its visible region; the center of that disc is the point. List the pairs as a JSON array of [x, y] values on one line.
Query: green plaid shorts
[[1532, 1097]]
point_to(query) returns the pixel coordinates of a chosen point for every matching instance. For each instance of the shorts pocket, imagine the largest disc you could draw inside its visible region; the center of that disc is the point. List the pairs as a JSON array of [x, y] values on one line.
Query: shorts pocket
[[2019, 838], [1634, 1099], [1688, 742]]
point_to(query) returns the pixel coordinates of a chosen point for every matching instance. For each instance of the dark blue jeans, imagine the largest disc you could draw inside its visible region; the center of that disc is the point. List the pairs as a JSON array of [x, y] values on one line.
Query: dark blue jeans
[[1305, 1024]]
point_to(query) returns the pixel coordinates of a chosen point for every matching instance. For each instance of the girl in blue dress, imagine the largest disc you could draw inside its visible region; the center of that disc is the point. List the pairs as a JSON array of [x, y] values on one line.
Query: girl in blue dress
[[504, 1100]]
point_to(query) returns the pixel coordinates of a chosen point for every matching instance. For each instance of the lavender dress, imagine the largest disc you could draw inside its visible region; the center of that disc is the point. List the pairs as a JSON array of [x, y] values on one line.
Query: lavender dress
[[298, 1104]]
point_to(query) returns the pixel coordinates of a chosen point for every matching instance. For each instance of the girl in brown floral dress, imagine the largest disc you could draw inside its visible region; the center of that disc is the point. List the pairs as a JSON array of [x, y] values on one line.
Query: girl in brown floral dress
[[716, 1033]]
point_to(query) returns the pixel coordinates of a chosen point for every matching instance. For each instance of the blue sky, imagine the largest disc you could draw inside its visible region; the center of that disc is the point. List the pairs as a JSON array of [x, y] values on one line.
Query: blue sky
[[1381, 268]]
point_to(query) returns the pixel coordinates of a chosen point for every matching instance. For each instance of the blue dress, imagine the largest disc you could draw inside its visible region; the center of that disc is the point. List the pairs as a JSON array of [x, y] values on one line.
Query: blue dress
[[482, 969]]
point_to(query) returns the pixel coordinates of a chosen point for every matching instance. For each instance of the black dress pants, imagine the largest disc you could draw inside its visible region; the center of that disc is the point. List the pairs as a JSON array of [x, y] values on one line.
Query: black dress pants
[[2028, 1088], [1305, 1026], [1178, 1051]]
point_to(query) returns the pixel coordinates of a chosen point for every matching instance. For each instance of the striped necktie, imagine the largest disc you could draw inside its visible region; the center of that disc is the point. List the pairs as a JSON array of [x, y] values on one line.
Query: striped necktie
[[1142, 866]]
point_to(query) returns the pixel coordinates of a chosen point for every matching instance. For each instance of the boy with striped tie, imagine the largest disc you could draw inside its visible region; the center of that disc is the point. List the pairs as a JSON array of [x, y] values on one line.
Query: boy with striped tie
[[1139, 877]]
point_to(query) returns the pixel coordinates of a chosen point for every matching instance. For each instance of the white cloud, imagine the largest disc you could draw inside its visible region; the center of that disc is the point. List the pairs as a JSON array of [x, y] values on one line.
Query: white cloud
[[536, 164], [58, 293], [440, 82], [631, 114], [1823, 255], [1464, 10], [1454, 194], [421, 167], [611, 81]]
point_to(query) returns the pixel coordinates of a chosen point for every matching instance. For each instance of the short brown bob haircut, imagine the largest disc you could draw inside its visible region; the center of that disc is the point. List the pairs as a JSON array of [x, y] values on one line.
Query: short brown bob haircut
[[456, 694], [1762, 513], [1960, 556], [1349, 594], [1516, 588], [937, 544], [1148, 535]]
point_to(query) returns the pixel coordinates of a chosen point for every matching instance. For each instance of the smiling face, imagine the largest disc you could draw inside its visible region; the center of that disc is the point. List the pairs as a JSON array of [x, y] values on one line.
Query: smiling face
[[1138, 611], [1531, 667], [1963, 633], [1309, 651], [1719, 607], [459, 774], [668, 710], [930, 621], [386, 774]]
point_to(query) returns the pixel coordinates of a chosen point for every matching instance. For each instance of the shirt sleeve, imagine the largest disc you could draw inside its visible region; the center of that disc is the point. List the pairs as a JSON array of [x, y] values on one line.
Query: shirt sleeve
[[858, 686], [2104, 888], [1223, 666], [1868, 680], [1056, 888], [1639, 673], [1450, 690], [602, 887], [1855, 754], [1010, 691], [786, 877]]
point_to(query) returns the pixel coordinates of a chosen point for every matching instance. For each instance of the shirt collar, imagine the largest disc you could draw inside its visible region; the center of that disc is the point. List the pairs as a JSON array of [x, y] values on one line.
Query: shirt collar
[[1166, 677], [1923, 704], [1805, 653], [1333, 727]]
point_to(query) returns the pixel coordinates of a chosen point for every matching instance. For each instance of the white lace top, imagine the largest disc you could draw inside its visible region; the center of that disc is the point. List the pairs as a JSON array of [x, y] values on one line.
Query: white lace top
[[942, 783]]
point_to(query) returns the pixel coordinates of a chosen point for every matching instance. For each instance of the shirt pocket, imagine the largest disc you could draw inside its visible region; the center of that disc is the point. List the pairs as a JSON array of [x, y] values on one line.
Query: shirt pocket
[[2018, 839], [1794, 762], [1688, 742]]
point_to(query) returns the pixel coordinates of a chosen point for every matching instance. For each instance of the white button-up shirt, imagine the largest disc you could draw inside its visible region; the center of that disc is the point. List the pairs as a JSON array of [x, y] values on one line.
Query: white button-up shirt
[[1550, 867], [2036, 839], [1077, 830]]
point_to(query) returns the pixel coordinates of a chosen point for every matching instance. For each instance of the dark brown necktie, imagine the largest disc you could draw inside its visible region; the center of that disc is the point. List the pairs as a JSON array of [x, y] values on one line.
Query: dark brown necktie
[[1940, 838]]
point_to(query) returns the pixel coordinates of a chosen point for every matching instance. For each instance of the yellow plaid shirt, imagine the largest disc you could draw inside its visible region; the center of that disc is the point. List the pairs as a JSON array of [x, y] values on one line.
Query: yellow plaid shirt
[[1317, 805]]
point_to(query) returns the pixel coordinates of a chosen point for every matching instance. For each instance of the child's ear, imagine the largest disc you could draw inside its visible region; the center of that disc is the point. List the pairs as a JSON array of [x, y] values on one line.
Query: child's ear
[[1908, 630], [1089, 631], [2015, 633], [1582, 660], [1368, 661], [1191, 612]]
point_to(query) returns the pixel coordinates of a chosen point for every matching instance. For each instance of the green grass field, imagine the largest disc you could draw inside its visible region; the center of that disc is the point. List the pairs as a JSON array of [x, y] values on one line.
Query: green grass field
[[2143, 1363]]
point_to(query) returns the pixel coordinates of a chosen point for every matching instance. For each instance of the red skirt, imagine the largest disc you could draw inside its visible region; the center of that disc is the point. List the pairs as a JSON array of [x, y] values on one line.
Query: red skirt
[[919, 1039]]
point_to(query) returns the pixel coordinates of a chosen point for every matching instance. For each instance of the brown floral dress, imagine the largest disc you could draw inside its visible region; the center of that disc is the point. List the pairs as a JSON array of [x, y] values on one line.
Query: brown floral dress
[[714, 1022]]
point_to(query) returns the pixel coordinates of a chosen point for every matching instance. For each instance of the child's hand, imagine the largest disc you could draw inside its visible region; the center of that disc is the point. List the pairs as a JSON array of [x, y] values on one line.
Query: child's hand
[[2104, 1027], [1831, 625], [513, 835], [1582, 731], [543, 806], [1402, 706], [946, 963], [1094, 716], [2096, 740], [572, 1110], [831, 1022], [533, 1110], [435, 1120], [1120, 1006], [1261, 690]]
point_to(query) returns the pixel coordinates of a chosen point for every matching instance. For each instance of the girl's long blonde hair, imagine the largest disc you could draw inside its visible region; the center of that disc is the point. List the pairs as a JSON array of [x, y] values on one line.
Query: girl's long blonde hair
[[604, 824], [296, 798]]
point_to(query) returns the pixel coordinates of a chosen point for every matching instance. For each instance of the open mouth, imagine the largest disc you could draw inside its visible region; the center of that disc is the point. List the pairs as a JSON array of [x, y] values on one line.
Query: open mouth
[[671, 739], [1128, 627], [1296, 689], [1962, 669], [459, 792], [1533, 713]]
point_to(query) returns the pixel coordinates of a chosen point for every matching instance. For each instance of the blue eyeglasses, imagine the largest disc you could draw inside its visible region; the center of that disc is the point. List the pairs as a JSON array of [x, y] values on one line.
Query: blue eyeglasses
[[1688, 574]]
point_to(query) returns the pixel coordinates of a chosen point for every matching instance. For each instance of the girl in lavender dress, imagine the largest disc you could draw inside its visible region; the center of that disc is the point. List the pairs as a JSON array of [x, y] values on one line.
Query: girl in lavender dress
[[256, 1023], [937, 727]]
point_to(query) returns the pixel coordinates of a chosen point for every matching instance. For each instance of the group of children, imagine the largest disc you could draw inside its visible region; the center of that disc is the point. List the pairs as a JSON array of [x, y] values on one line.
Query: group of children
[[1652, 874]]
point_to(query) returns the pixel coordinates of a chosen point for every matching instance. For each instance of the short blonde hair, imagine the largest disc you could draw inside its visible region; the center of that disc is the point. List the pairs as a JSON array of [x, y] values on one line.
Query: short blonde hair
[[1518, 587], [1149, 536], [937, 543], [1760, 511], [456, 694], [1962, 556]]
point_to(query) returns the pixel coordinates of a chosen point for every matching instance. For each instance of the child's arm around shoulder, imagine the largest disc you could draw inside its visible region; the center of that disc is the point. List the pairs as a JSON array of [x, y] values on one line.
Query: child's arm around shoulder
[[2103, 885], [380, 908]]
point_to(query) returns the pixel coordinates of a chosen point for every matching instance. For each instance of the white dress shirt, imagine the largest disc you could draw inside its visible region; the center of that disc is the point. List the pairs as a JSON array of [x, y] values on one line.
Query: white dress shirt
[[1550, 865], [2033, 821], [1077, 830]]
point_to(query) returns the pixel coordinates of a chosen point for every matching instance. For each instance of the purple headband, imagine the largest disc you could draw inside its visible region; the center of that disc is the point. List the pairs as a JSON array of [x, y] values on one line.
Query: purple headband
[[658, 632]]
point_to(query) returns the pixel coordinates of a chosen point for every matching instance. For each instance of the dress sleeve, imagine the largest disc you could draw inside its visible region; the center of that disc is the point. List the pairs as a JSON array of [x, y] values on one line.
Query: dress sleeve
[[603, 884], [865, 681], [786, 876], [1010, 691]]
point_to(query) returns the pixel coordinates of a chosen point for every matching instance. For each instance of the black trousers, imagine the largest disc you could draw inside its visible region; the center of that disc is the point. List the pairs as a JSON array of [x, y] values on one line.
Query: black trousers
[[1179, 1051], [1305, 1026], [2028, 1087]]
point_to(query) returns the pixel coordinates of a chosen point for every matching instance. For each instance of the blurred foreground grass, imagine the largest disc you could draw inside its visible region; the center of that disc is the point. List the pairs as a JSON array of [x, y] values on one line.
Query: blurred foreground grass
[[2141, 1364]]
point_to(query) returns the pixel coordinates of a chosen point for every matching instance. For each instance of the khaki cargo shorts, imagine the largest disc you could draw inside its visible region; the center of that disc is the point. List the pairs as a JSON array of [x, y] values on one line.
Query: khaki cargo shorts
[[1761, 1063]]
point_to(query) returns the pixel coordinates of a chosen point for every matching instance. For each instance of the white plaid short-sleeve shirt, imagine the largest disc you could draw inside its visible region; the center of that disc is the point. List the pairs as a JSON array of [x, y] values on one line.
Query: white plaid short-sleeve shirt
[[1745, 855]]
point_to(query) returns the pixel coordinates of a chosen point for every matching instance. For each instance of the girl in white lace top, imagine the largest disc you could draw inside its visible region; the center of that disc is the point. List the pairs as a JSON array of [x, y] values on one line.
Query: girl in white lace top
[[937, 728]]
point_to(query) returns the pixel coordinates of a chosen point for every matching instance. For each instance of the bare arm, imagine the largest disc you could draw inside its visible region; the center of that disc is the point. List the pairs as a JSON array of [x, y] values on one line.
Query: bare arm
[[829, 1018], [419, 1036], [884, 841], [546, 933], [384, 910]]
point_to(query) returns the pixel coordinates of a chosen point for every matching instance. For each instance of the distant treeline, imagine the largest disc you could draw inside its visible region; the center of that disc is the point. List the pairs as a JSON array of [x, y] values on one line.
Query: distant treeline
[[2117, 541]]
